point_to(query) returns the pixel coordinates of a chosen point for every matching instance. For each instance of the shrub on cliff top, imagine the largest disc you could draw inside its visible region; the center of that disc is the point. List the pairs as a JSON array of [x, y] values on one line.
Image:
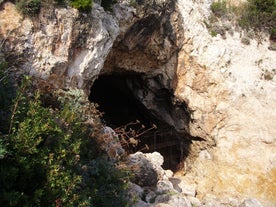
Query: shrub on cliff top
[[82, 5], [256, 14], [259, 14], [31, 8]]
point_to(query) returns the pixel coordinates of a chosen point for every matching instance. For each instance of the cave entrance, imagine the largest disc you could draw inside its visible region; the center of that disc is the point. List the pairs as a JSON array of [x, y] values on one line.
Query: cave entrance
[[140, 128]]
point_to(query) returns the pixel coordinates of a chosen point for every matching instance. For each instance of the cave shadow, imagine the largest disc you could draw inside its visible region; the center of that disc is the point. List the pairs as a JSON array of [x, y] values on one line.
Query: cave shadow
[[121, 107]]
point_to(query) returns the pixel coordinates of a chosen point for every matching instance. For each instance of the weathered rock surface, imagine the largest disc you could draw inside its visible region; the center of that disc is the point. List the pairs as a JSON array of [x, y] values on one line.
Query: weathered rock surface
[[150, 43], [164, 191], [62, 46], [250, 203], [146, 168], [157, 190], [224, 84], [110, 144]]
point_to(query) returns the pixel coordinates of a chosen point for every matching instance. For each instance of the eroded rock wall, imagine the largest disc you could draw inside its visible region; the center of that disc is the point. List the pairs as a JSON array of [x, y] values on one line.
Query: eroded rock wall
[[227, 86], [62, 47]]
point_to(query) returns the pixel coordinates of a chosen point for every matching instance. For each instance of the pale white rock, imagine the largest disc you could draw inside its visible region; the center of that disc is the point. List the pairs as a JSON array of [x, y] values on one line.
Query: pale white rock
[[141, 203], [204, 154], [146, 168], [164, 186], [184, 185], [251, 203], [231, 89], [156, 159], [162, 205], [173, 200], [89, 62], [194, 201], [188, 189], [66, 48], [169, 173], [179, 201]]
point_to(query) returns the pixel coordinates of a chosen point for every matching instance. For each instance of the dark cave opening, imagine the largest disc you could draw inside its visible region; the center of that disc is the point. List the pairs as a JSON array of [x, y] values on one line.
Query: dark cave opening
[[116, 101], [115, 96]]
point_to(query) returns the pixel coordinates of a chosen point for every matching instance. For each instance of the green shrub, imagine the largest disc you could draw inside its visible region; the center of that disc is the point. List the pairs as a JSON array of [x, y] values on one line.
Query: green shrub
[[3, 150], [260, 15], [29, 7], [273, 33], [83, 5], [256, 14], [50, 158], [219, 8], [7, 93], [3, 83]]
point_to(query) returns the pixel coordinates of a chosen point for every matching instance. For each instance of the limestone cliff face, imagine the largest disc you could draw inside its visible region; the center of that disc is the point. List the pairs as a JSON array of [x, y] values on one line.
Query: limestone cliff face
[[228, 87], [231, 89], [63, 47]]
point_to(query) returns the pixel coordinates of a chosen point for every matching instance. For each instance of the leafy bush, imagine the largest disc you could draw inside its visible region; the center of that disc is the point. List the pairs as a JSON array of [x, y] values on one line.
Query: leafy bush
[[219, 8], [256, 14], [260, 15], [7, 93], [29, 7], [3, 150], [83, 5], [50, 158], [32, 7], [273, 34]]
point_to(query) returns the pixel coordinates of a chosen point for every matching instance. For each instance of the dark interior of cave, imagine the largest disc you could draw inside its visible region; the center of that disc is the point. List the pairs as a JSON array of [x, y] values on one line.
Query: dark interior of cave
[[121, 108]]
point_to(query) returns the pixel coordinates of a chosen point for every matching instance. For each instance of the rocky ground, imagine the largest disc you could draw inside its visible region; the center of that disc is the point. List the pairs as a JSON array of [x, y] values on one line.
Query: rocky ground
[[154, 186]]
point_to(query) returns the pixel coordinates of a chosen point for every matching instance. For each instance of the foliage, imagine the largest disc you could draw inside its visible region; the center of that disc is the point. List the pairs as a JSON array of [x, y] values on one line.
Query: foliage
[[29, 7], [3, 150], [3, 83], [273, 33], [50, 158], [107, 4], [259, 14], [213, 33], [7, 93], [83, 5], [256, 14], [219, 8]]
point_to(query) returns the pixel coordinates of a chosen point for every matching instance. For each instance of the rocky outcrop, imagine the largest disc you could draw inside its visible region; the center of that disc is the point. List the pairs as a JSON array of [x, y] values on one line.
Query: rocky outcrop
[[61, 46], [159, 188], [151, 43], [223, 83]]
